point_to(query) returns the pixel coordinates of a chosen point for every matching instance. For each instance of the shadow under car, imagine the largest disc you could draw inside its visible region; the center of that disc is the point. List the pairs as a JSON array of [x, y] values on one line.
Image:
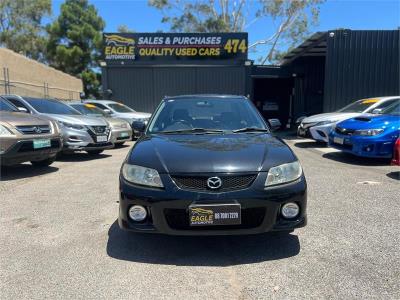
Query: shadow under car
[[25, 170], [348, 158], [199, 250]]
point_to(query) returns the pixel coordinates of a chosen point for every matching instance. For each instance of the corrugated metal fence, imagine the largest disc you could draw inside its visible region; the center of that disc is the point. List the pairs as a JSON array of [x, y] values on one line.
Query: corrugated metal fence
[[360, 64]]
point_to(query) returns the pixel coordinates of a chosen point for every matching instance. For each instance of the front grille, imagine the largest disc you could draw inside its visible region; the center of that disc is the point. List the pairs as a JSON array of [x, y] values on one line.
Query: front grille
[[344, 131], [199, 183], [178, 219], [94, 131], [27, 146], [38, 129], [99, 129]]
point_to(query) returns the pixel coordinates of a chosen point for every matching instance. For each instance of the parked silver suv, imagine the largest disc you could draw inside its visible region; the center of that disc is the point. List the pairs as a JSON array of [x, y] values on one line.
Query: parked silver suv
[[79, 132]]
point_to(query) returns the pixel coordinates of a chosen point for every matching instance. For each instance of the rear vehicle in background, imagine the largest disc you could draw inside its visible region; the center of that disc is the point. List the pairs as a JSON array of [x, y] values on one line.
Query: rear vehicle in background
[[368, 135], [319, 126], [119, 110], [25, 137], [121, 130], [396, 153], [79, 132]]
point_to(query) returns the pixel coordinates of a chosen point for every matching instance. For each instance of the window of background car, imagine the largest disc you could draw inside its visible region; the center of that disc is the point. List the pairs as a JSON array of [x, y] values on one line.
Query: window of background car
[[383, 105], [121, 108], [6, 106], [394, 109], [89, 109], [101, 106], [48, 106], [358, 106], [220, 114]]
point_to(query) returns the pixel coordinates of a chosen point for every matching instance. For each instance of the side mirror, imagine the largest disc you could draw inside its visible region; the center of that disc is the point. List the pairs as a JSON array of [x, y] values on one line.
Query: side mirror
[[274, 124], [139, 126], [22, 109], [377, 111]]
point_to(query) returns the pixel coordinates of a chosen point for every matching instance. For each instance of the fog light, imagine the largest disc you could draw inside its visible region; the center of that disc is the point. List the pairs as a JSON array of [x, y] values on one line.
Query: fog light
[[290, 210], [137, 213]]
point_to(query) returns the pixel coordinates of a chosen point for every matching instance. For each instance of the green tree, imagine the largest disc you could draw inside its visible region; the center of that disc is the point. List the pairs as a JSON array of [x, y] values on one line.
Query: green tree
[[124, 29], [293, 19], [75, 42], [20, 26]]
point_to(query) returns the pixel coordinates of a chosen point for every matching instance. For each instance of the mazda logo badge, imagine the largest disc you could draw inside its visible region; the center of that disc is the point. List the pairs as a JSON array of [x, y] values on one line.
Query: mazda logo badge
[[37, 129], [214, 182]]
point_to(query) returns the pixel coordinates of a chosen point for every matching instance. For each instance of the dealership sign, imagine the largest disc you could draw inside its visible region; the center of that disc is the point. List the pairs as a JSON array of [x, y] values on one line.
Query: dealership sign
[[130, 48]]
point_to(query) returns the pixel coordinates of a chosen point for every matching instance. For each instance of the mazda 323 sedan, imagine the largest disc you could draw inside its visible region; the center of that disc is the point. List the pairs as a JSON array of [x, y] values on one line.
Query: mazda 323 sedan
[[208, 165]]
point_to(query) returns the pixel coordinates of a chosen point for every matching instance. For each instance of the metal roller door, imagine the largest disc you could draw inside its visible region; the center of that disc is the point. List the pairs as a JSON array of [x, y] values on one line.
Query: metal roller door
[[142, 88]]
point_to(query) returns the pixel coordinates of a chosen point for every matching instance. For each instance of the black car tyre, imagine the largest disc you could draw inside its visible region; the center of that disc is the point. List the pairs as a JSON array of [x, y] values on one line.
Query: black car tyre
[[94, 152], [43, 163]]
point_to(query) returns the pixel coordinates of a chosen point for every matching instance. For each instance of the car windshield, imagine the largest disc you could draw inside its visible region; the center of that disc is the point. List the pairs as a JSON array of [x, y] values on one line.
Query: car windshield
[[358, 106], [213, 114], [121, 108], [50, 106], [89, 109], [394, 109], [6, 106]]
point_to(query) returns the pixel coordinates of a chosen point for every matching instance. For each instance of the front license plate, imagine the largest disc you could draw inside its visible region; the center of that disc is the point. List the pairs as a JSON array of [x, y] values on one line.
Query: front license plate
[[101, 138], [37, 144], [217, 214], [338, 140], [124, 134]]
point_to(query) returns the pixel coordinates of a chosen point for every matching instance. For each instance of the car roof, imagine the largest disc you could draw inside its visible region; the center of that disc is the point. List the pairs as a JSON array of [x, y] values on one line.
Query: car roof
[[201, 96], [384, 98], [100, 101]]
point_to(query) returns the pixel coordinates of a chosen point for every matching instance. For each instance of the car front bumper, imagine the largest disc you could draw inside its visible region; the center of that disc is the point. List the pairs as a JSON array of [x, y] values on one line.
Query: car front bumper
[[168, 208], [321, 133], [82, 140], [23, 151], [375, 147], [121, 135]]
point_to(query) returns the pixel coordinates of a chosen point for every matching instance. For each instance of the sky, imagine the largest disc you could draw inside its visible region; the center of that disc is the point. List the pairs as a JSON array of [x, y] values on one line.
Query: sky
[[350, 14]]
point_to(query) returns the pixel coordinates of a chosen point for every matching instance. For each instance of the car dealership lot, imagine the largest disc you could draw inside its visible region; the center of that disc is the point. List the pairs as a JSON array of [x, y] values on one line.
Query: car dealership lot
[[59, 238]]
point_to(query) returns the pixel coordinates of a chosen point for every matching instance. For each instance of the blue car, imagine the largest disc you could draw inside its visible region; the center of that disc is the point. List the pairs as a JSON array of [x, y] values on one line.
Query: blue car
[[368, 135]]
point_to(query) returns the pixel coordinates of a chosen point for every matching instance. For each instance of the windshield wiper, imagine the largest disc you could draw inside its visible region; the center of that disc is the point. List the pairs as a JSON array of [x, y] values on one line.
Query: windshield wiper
[[250, 129], [192, 130]]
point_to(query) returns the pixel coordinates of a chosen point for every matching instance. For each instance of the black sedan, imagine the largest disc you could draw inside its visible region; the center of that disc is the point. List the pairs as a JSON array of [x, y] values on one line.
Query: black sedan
[[208, 165]]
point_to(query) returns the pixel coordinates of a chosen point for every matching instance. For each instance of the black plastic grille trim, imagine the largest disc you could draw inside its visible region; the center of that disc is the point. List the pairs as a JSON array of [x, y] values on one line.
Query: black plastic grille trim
[[29, 129], [344, 131], [199, 183]]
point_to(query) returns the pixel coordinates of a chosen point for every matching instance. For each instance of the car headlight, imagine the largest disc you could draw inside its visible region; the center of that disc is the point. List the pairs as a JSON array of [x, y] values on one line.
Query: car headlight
[[141, 175], [368, 132], [283, 173], [4, 131], [71, 126]]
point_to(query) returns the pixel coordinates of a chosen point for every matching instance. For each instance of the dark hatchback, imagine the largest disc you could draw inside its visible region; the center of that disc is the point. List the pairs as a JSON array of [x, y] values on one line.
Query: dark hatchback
[[208, 165]]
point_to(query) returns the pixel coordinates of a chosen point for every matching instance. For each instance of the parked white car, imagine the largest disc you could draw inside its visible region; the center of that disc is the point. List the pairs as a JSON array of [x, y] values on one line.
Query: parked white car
[[319, 126]]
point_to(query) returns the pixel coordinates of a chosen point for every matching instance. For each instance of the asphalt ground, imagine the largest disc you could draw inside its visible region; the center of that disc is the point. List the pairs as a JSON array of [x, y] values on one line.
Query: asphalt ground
[[59, 238]]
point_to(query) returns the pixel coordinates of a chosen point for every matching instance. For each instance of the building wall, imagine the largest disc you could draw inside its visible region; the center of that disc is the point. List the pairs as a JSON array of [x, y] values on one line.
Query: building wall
[[308, 85], [23, 76], [143, 87], [360, 64]]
